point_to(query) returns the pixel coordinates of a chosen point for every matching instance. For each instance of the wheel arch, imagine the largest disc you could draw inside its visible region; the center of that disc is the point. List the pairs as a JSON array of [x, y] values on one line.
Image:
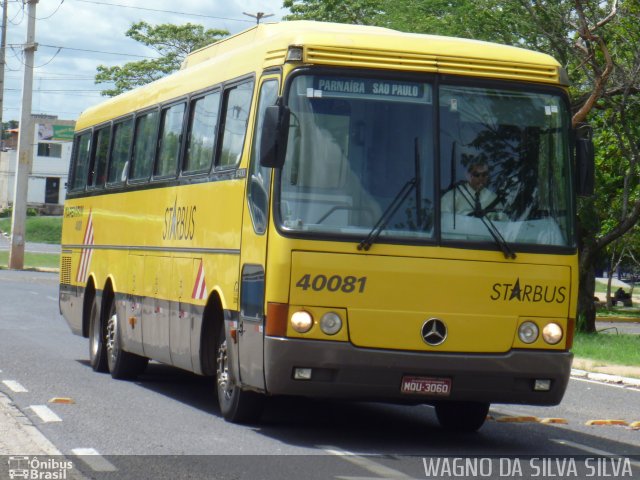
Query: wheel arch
[[89, 294], [212, 319]]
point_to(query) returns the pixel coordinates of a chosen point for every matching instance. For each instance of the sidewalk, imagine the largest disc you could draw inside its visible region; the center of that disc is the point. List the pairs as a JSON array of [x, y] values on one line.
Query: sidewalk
[[18, 436]]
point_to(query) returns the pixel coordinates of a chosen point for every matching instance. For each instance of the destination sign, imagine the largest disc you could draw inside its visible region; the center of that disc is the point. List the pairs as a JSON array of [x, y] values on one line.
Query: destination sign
[[371, 88]]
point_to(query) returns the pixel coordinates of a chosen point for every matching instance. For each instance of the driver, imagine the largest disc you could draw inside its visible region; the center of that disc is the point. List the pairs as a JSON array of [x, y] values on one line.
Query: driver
[[471, 197]]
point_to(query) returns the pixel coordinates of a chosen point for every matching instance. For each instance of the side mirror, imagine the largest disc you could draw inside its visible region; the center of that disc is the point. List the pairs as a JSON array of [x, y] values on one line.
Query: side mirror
[[273, 140], [585, 161]]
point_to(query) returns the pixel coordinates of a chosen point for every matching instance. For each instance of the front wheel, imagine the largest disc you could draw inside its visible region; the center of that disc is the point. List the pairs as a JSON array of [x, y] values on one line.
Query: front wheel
[[236, 405], [122, 365], [462, 416]]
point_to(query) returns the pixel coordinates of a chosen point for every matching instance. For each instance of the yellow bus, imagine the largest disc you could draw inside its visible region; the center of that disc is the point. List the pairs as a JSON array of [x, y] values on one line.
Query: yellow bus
[[294, 213]]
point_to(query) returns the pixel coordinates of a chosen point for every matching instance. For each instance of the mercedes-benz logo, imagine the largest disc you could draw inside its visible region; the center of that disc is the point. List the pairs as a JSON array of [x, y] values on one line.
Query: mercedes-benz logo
[[434, 332]]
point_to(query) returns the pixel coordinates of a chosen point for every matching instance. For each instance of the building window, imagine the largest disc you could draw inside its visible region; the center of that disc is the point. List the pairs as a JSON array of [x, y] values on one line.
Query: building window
[[50, 150]]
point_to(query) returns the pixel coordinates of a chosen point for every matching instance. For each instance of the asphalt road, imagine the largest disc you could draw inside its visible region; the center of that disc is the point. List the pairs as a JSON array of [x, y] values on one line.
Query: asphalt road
[[31, 247], [167, 424]]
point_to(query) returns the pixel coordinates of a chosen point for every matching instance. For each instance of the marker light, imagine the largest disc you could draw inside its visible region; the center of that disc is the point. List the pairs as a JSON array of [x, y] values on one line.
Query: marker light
[[301, 321], [528, 332], [552, 333], [294, 54], [330, 323]]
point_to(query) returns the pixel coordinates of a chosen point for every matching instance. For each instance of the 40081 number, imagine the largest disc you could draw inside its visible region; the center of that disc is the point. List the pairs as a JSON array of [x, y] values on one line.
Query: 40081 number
[[334, 283]]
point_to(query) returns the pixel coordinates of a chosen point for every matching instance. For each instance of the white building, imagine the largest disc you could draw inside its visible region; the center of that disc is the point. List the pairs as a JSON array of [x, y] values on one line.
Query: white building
[[53, 140]]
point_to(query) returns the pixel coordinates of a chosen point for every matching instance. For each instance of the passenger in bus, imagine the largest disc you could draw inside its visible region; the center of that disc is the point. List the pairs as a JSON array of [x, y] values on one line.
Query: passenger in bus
[[471, 197]]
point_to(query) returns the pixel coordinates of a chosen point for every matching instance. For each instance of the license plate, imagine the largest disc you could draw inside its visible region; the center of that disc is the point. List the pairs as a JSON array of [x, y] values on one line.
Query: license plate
[[439, 387]]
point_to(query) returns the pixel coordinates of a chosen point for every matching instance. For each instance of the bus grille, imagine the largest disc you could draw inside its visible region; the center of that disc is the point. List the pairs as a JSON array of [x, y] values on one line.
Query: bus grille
[[420, 62], [65, 271]]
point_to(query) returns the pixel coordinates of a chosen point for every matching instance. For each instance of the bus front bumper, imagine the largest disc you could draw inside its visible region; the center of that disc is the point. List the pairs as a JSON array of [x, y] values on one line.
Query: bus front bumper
[[341, 370]]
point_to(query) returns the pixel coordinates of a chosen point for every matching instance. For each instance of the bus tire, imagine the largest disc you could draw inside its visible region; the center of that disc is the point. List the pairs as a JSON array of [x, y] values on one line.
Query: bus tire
[[236, 405], [97, 339], [122, 365], [464, 417]]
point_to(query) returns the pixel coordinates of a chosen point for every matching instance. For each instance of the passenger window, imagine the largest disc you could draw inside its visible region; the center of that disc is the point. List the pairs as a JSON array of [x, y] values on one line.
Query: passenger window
[[203, 126], [144, 146], [170, 140], [98, 174], [122, 136], [82, 149], [236, 117]]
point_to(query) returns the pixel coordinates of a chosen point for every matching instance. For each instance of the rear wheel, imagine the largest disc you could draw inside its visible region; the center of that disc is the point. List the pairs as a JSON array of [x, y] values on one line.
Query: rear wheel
[[236, 405], [97, 339], [122, 365], [462, 416]]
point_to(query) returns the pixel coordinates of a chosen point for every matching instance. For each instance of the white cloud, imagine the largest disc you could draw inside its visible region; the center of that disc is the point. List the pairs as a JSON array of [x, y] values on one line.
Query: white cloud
[[63, 82]]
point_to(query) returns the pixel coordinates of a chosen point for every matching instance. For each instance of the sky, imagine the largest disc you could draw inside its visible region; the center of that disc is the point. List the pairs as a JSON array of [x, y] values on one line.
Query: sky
[[75, 36]]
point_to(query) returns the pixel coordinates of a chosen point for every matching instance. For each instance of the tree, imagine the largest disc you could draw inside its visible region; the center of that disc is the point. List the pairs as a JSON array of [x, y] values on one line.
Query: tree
[[356, 12], [172, 42], [596, 41]]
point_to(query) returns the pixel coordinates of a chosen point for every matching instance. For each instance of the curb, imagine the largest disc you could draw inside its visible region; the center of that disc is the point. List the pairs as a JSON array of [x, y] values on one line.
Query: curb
[[606, 378], [22, 435]]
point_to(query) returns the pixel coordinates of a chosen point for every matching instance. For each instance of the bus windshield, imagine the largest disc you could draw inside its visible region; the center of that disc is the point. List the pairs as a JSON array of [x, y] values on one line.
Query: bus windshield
[[361, 158]]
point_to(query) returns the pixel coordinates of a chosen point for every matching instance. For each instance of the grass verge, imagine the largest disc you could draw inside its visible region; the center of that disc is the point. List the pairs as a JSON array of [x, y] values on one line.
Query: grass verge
[[619, 349], [34, 260], [38, 229]]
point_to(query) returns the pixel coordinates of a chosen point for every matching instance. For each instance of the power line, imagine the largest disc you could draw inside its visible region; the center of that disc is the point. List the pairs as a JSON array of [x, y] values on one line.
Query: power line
[[165, 11], [13, 46], [96, 51], [59, 90], [52, 14]]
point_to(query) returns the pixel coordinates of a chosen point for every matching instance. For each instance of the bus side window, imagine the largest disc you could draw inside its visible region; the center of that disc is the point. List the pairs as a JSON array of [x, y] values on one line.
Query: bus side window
[[144, 146], [203, 126], [122, 136], [98, 171], [170, 141], [82, 149], [237, 102]]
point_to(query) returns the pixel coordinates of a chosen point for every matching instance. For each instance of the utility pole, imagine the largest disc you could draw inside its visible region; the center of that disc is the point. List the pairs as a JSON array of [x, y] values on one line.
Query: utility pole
[[3, 47], [25, 145], [258, 16]]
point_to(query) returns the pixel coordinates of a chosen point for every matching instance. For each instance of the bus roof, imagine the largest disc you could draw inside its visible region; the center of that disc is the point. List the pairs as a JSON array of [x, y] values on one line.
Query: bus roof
[[266, 45]]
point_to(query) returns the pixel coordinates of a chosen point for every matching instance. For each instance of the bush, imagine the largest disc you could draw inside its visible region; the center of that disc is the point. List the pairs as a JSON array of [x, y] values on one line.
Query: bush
[[7, 212]]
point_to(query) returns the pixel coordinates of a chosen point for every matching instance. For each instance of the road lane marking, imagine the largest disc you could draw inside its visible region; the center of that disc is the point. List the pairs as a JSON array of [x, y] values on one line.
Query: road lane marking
[[53, 299], [45, 413], [15, 386], [607, 384], [94, 460], [588, 449], [378, 469]]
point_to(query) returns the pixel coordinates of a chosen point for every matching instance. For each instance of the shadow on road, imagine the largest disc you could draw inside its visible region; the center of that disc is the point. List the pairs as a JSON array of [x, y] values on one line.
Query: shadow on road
[[376, 428]]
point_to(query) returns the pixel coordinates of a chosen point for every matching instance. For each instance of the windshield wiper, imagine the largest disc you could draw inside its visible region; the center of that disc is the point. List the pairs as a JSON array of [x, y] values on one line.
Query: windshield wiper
[[491, 227], [399, 199], [386, 215]]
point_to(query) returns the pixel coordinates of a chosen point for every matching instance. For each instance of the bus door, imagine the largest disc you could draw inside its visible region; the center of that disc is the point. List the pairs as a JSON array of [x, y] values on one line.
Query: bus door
[[253, 253]]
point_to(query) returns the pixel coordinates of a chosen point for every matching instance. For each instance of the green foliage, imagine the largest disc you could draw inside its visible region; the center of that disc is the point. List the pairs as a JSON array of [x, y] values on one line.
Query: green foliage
[[358, 12], [38, 229], [34, 260], [611, 348], [172, 42]]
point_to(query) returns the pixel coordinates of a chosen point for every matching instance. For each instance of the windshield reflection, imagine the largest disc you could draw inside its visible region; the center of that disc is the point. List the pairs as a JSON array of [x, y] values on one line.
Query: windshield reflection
[[360, 163]]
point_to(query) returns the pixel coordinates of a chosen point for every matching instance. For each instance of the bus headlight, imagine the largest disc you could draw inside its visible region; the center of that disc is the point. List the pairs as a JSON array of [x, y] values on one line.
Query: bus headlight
[[330, 323], [528, 332], [552, 333], [301, 321]]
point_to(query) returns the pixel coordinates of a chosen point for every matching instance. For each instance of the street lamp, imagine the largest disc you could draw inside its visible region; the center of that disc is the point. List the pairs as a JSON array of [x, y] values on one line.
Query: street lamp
[[258, 16]]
